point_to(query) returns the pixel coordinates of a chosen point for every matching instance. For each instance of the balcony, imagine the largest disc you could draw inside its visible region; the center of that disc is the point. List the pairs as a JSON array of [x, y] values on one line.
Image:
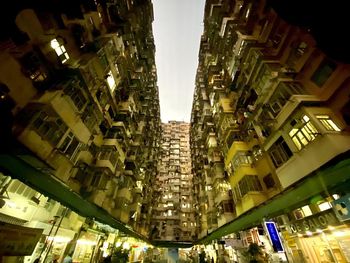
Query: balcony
[[318, 152], [107, 158], [115, 143], [125, 194], [217, 171]]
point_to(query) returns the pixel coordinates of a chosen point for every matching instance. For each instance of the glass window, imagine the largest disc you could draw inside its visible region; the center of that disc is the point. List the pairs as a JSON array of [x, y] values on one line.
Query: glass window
[[111, 81], [323, 72], [60, 50], [282, 94], [328, 123], [50, 128], [249, 183], [324, 206], [70, 146], [75, 93], [303, 132], [306, 210], [280, 152]]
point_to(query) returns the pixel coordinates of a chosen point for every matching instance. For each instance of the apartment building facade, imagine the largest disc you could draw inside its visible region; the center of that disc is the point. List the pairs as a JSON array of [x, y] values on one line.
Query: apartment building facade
[[174, 211], [79, 88], [271, 110]]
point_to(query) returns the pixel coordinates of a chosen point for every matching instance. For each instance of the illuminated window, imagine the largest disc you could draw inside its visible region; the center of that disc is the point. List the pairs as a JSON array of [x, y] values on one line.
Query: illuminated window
[[111, 81], [328, 123], [306, 210], [303, 132], [60, 50], [324, 206]]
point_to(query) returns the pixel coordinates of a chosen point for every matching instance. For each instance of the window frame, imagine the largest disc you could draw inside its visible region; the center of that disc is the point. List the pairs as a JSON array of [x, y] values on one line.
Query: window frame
[[327, 122], [303, 132]]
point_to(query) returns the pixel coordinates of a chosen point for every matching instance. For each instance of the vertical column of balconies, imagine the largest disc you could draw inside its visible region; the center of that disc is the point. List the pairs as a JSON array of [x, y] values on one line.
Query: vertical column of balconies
[[88, 90]]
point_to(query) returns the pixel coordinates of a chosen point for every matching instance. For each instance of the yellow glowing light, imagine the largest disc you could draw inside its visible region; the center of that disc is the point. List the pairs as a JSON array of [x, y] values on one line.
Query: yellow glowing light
[[331, 227], [54, 44], [319, 230], [126, 246], [339, 233], [309, 233], [118, 244]]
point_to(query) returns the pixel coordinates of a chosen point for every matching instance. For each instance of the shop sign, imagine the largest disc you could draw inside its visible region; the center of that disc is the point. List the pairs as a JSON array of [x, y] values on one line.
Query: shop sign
[[341, 207], [312, 223], [18, 240], [274, 236]]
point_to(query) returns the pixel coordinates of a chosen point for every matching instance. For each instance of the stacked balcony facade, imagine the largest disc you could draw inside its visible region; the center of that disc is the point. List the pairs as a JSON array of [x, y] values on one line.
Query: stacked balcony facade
[[269, 108], [174, 215], [82, 87]]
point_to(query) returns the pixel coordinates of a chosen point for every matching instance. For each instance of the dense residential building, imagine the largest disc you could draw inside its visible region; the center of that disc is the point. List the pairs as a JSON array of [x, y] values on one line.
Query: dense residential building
[[81, 84], [174, 212], [80, 128], [270, 114]]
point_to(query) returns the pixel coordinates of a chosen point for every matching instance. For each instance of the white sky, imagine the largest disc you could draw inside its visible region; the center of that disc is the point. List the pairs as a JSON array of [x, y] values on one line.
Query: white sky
[[177, 28]]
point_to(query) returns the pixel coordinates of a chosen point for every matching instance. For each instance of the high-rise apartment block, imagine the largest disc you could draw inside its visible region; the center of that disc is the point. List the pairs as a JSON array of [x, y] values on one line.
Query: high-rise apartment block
[[80, 121], [270, 114], [174, 212], [81, 82]]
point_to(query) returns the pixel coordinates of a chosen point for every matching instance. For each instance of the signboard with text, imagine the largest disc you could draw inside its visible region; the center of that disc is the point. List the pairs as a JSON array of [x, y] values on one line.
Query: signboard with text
[[311, 223], [18, 240], [274, 236]]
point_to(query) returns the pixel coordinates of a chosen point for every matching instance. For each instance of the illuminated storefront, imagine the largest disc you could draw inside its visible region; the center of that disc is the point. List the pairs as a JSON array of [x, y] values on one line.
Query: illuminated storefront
[[85, 247], [320, 237]]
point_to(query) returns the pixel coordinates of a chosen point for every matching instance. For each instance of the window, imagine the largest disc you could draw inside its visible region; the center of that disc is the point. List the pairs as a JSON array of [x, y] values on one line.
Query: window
[[280, 152], [75, 93], [70, 146], [89, 117], [60, 50], [241, 159], [109, 154], [103, 59], [328, 123], [303, 132], [323, 72], [282, 94], [33, 67], [249, 183], [324, 206], [269, 181], [227, 207], [111, 81], [50, 128]]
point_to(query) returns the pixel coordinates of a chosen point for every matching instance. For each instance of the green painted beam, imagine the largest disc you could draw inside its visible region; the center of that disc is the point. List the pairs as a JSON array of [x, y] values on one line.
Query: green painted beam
[[50, 186], [320, 181], [172, 244]]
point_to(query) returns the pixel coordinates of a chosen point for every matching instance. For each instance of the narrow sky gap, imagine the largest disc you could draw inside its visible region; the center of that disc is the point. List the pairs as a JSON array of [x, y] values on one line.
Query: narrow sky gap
[[177, 28]]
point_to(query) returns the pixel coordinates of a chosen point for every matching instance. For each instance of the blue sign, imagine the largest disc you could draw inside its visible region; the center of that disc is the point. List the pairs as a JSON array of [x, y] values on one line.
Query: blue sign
[[341, 207], [274, 236]]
